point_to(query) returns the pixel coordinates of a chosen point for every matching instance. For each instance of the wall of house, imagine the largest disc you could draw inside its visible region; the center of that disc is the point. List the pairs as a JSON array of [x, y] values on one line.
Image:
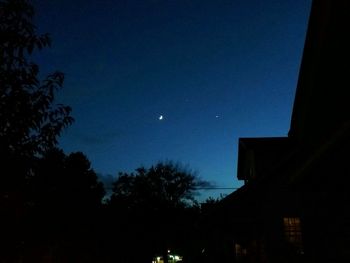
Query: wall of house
[[321, 103]]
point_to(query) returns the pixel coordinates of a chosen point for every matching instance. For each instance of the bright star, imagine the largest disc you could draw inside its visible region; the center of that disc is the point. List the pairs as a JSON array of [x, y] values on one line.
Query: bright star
[[161, 117]]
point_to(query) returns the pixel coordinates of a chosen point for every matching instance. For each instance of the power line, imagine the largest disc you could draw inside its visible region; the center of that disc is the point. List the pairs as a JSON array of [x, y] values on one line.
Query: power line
[[216, 188], [200, 188]]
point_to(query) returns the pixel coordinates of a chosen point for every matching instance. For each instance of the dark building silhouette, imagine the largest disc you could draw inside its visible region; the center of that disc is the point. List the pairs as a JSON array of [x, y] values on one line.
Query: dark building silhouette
[[294, 205]]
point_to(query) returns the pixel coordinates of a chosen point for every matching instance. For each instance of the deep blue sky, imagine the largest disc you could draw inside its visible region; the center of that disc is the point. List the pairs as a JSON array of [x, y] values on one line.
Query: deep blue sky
[[216, 70]]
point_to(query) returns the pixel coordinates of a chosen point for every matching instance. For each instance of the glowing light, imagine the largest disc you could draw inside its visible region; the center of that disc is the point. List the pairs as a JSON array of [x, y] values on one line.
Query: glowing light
[[161, 117], [172, 258]]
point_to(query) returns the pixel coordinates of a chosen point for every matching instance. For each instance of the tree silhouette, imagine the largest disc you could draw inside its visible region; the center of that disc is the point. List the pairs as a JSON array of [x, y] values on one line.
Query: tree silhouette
[[66, 181], [30, 122], [155, 208], [66, 203], [164, 185]]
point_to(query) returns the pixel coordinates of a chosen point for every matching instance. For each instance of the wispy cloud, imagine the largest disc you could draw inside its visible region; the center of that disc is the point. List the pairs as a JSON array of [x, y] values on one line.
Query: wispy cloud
[[98, 138]]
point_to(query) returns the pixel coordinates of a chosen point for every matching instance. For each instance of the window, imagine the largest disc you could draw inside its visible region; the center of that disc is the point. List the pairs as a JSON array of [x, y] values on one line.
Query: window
[[240, 252], [292, 230]]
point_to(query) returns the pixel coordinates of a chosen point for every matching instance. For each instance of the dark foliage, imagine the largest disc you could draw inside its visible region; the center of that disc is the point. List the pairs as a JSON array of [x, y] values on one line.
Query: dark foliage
[[30, 121], [66, 205], [66, 182], [164, 185], [154, 210]]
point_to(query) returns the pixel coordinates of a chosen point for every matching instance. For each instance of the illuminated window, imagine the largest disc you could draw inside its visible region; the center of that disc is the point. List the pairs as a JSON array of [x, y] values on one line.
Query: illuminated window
[[292, 230], [240, 252]]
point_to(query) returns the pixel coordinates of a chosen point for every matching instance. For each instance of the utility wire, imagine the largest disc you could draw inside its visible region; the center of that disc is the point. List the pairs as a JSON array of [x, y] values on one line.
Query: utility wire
[[200, 188]]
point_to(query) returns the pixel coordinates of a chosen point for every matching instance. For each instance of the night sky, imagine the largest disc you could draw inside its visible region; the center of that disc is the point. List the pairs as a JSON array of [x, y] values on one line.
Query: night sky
[[214, 70]]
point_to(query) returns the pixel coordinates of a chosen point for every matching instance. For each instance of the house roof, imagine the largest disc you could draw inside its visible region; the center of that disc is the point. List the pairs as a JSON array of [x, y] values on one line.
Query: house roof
[[261, 153], [321, 102]]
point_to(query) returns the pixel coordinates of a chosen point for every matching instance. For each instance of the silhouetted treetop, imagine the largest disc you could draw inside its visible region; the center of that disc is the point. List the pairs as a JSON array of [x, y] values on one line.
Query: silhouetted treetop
[[30, 123], [162, 185], [29, 120], [66, 181]]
